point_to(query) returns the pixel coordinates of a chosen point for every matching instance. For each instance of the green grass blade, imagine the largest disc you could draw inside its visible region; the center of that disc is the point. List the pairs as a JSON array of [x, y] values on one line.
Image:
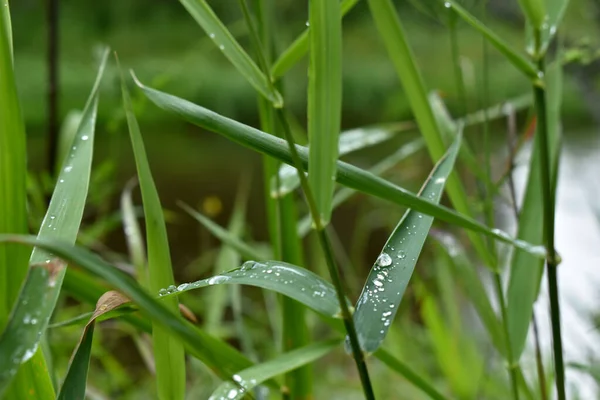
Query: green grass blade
[[473, 287], [214, 28], [324, 100], [74, 385], [391, 31], [13, 215], [410, 375], [225, 236], [535, 11], [228, 258], [389, 277], [169, 354], [133, 234], [388, 163], [298, 283], [246, 380], [347, 174], [526, 271], [515, 58], [349, 141], [40, 291], [299, 47], [6, 33], [223, 359]]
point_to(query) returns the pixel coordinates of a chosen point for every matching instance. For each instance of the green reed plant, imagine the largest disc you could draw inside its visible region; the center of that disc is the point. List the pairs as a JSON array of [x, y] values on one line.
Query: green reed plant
[[150, 300]]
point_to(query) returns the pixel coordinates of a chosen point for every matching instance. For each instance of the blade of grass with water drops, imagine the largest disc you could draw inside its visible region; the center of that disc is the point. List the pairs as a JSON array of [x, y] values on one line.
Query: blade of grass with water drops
[[299, 47], [244, 381], [347, 174], [74, 385], [351, 140], [39, 293], [515, 58], [214, 28], [392, 33], [389, 277], [168, 350], [220, 357], [298, 283], [324, 100], [526, 271]]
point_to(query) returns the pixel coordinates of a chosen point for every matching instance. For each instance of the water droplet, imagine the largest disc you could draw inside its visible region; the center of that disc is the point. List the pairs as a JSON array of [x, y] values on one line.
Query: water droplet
[[553, 29], [222, 47], [212, 35], [384, 260], [85, 137], [52, 217], [401, 255], [68, 168], [182, 287], [232, 394], [440, 180], [447, 4], [307, 23], [540, 74], [248, 265], [162, 292], [171, 289], [237, 378], [377, 283], [61, 181]]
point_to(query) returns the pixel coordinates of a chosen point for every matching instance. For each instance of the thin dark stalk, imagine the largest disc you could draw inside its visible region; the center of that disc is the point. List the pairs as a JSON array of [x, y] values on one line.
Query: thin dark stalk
[[359, 357], [52, 99], [548, 212]]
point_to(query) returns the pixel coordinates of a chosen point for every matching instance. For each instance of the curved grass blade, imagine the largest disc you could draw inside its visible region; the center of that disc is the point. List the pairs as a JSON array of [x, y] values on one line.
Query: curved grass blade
[[389, 277], [473, 287], [168, 350], [515, 58], [324, 100], [298, 283], [223, 359], [133, 234], [526, 271], [388, 163], [224, 235], [347, 174], [351, 140], [299, 47], [73, 387], [6, 32], [244, 381], [413, 377], [392, 33], [214, 28], [40, 291]]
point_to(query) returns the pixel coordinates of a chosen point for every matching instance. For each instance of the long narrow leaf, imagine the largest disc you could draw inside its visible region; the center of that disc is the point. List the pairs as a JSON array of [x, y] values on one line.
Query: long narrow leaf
[[347, 174], [214, 28], [299, 47], [168, 351], [39, 294], [324, 100], [73, 387], [223, 359], [520, 62], [246, 380], [526, 271], [389, 277], [290, 280], [392, 33]]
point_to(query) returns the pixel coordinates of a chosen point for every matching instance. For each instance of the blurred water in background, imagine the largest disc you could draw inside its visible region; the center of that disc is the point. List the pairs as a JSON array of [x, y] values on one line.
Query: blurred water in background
[[577, 239]]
